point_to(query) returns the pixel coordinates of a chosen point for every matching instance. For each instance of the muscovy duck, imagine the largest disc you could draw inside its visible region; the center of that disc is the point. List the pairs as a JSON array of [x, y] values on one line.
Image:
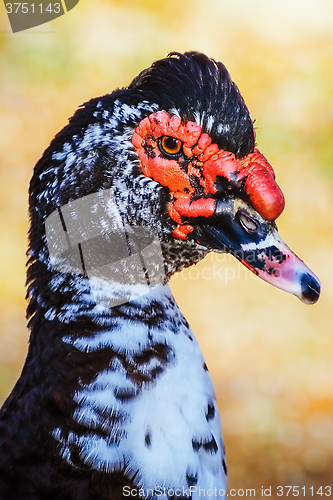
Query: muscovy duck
[[115, 399]]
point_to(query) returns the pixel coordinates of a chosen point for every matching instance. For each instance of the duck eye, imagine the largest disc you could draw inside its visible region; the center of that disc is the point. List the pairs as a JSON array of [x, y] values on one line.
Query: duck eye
[[169, 145], [248, 223]]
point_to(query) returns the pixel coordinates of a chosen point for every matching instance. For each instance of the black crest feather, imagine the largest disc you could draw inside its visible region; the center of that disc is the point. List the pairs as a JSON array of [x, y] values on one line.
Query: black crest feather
[[198, 85]]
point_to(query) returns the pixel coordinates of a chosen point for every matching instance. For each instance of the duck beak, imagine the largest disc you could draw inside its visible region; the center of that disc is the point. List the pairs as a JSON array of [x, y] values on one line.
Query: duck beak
[[238, 229]]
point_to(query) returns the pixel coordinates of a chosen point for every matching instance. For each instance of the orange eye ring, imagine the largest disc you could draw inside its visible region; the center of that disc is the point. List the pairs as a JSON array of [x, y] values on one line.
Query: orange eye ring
[[169, 145]]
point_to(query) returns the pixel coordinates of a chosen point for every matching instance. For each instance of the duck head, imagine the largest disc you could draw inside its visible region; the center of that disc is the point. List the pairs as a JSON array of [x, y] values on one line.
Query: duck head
[[174, 154], [222, 202]]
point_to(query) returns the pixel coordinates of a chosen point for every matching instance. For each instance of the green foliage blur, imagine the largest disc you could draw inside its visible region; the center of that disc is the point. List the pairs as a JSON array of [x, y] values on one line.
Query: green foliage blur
[[270, 356]]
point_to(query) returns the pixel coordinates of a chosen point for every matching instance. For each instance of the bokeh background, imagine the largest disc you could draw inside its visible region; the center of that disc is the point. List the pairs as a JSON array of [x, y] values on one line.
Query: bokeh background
[[270, 356]]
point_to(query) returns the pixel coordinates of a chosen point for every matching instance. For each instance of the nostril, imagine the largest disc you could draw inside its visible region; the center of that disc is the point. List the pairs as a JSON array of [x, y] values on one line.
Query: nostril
[[247, 222], [310, 286]]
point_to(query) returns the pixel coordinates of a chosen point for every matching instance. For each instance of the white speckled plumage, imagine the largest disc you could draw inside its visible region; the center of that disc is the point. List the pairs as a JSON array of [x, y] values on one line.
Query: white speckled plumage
[[156, 428], [115, 397]]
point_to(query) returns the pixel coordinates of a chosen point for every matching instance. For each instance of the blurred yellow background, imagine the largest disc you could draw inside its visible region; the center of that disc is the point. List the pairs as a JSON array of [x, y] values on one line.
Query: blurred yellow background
[[270, 356]]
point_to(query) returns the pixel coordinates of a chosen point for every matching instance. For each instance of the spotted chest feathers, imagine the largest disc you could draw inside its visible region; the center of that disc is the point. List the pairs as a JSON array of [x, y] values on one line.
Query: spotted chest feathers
[[136, 416]]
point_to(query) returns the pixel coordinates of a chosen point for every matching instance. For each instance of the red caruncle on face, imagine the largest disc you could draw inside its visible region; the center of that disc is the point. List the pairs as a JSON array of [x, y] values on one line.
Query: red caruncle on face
[[193, 170]]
